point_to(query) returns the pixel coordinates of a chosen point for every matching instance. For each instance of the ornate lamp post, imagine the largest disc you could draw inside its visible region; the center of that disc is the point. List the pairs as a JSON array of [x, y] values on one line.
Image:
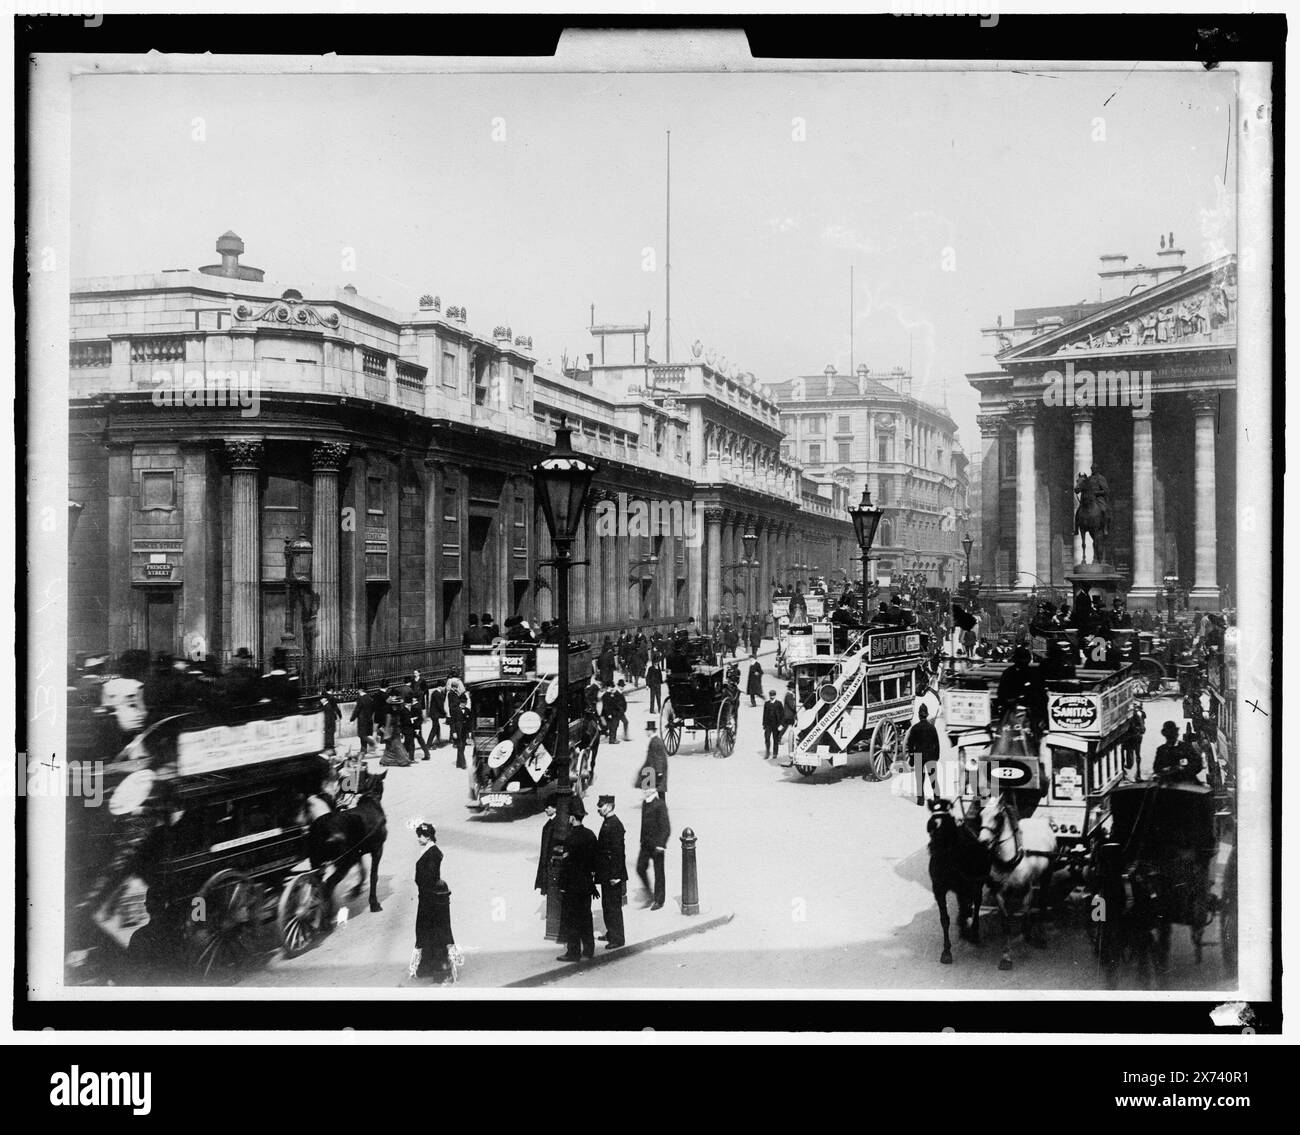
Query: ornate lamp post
[[1171, 590], [562, 481], [746, 564], [967, 544], [866, 519], [297, 576]]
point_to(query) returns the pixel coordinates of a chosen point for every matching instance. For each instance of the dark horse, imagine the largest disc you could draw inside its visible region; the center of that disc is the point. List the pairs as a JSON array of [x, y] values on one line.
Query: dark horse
[[341, 838], [1091, 518], [958, 863]]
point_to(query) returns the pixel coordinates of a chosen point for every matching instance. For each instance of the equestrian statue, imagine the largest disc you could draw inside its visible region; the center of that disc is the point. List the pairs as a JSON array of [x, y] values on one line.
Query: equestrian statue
[[1092, 517]]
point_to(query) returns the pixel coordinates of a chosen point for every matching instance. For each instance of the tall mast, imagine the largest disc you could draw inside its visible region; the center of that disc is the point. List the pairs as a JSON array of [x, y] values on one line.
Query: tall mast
[[850, 319], [668, 249]]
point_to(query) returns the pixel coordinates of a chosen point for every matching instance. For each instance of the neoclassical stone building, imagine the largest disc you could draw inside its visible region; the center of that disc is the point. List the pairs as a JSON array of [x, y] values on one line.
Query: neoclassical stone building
[[215, 417], [1141, 384], [868, 430]]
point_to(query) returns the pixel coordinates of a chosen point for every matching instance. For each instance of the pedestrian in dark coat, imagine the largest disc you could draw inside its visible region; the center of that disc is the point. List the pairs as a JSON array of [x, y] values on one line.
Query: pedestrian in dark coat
[[611, 872], [432, 918], [605, 664], [655, 831], [922, 747], [654, 682], [754, 683], [436, 709], [329, 703], [773, 724], [654, 772], [755, 637], [618, 713], [363, 713], [577, 887], [790, 707], [457, 714], [544, 856]]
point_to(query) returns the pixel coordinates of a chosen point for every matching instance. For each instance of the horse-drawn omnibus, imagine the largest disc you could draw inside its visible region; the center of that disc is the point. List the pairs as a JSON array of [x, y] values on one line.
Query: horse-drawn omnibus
[[203, 839], [516, 712], [1066, 775], [856, 691]]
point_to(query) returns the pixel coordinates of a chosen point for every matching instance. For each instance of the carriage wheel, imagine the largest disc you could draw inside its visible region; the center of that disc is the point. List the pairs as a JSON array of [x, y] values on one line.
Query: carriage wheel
[[806, 770], [886, 748], [1150, 676], [583, 779], [221, 921], [726, 728], [300, 913], [670, 728]]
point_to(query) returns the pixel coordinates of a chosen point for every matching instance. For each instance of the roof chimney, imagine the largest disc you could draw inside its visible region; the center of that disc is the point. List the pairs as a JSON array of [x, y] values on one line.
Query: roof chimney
[[230, 248]]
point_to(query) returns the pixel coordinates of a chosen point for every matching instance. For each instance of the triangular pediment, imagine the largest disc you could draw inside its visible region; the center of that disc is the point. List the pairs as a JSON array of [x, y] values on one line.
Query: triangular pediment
[[1196, 309]]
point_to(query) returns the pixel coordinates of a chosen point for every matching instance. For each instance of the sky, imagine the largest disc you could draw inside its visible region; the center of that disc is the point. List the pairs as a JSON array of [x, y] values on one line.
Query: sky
[[954, 197]]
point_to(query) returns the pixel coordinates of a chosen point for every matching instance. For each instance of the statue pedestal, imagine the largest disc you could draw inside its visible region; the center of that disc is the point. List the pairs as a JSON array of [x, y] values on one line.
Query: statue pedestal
[[1097, 579]]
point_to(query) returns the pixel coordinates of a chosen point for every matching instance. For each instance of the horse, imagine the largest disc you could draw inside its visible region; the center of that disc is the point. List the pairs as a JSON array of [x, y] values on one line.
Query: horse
[[345, 836], [1022, 854], [958, 863], [1091, 519]]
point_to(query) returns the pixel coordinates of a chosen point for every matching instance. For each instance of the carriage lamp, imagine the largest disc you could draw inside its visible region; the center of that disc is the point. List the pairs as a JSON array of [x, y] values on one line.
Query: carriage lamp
[[866, 519], [562, 482]]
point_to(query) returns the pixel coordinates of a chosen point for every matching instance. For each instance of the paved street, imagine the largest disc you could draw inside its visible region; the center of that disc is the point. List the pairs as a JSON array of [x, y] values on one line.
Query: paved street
[[826, 878]]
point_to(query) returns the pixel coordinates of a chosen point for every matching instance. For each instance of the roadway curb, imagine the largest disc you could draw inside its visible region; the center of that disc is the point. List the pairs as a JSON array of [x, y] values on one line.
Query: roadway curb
[[604, 957]]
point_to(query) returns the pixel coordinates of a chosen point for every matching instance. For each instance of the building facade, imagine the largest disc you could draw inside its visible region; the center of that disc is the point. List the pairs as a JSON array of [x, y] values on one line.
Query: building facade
[[1141, 385], [215, 417], [868, 430]]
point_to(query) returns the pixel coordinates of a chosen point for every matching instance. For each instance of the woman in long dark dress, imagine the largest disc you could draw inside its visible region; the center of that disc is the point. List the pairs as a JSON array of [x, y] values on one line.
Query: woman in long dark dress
[[432, 919]]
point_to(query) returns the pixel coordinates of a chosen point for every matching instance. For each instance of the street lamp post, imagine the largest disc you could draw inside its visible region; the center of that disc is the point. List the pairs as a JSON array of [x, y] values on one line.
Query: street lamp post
[[1171, 589], [297, 575], [561, 482], [866, 519]]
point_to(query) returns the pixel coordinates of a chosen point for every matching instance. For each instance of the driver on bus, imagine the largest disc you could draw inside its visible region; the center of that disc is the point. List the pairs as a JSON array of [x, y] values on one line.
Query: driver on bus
[[1021, 684]]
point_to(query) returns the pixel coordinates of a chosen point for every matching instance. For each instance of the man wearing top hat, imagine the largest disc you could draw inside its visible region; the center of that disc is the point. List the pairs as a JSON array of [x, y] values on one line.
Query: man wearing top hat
[[611, 872], [577, 887]]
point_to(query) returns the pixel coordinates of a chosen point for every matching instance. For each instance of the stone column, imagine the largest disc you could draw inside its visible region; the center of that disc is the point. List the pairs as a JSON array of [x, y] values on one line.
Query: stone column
[[713, 552], [245, 456], [1143, 592], [326, 457], [1205, 592], [595, 572], [727, 593], [1082, 464], [1022, 419], [543, 596]]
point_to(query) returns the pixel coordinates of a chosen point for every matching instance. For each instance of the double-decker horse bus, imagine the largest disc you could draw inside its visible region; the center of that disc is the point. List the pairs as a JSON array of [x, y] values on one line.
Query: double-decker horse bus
[[857, 698], [1067, 774]]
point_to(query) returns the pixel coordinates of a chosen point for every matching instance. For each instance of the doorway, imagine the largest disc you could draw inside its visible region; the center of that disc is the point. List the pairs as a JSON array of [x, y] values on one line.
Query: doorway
[[160, 622]]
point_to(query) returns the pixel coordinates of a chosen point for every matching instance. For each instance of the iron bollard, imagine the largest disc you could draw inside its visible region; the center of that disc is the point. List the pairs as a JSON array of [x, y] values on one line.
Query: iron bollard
[[690, 876], [442, 923]]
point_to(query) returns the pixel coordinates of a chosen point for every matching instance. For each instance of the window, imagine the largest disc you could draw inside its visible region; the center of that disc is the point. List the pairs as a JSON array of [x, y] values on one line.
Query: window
[[814, 454], [816, 425], [517, 389], [157, 489], [845, 426], [785, 451], [449, 369], [375, 496], [882, 449], [281, 493], [787, 425], [843, 451]]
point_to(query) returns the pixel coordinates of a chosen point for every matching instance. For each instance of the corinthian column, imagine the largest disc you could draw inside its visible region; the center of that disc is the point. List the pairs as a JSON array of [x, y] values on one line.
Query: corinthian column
[[326, 457], [713, 550], [1205, 593], [1143, 591], [1022, 418], [245, 456]]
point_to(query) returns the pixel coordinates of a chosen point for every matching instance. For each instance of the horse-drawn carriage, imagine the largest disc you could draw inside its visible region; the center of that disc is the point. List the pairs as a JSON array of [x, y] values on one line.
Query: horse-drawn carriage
[[856, 692], [516, 713], [704, 697], [1154, 871], [208, 837]]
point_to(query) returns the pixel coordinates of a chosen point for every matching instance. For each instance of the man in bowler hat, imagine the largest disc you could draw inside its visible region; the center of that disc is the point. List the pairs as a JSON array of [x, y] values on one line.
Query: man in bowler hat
[[611, 872]]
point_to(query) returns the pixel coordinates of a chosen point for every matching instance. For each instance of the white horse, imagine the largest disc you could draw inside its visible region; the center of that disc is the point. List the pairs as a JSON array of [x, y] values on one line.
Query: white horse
[[1022, 853]]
